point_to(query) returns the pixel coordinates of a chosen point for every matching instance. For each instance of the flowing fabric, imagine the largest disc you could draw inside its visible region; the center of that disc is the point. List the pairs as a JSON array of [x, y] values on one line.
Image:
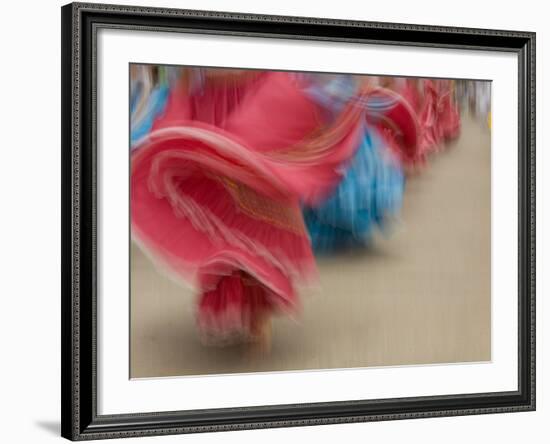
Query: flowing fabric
[[371, 191], [448, 113], [216, 195], [440, 118], [431, 134], [235, 309], [397, 120]]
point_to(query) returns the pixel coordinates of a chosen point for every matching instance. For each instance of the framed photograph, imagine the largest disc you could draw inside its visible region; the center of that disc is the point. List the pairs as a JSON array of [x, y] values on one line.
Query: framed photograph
[[277, 221]]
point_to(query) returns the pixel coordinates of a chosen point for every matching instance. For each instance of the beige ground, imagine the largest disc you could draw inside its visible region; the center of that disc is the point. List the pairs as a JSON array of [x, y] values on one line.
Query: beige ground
[[422, 295]]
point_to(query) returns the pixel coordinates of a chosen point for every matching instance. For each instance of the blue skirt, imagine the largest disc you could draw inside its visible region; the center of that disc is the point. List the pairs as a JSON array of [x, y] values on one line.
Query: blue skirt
[[370, 191]]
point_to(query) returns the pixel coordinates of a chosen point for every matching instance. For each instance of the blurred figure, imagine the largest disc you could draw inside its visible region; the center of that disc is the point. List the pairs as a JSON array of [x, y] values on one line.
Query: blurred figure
[[238, 176], [216, 189], [474, 97]]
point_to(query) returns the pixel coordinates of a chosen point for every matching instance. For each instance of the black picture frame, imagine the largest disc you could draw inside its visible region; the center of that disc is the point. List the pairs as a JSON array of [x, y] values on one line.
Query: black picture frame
[[80, 22]]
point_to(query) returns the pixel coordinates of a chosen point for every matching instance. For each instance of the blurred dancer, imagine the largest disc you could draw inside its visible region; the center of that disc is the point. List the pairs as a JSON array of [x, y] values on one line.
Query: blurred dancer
[[216, 189]]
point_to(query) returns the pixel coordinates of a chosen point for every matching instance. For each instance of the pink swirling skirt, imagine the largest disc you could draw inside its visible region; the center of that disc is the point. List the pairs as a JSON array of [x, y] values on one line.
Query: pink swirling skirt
[[215, 196]]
